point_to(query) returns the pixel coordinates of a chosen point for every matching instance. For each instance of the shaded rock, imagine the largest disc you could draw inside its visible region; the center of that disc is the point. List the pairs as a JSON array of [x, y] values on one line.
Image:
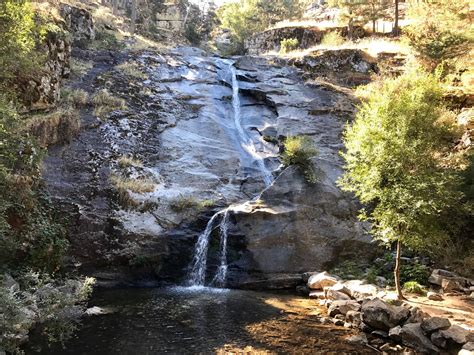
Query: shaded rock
[[396, 334], [449, 281], [434, 296], [321, 280], [380, 334], [455, 336], [343, 307], [438, 340], [79, 22], [380, 315], [354, 317], [320, 295], [358, 339], [302, 290], [10, 283], [433, 324], [306, 275], [417, 315], [413, 336]]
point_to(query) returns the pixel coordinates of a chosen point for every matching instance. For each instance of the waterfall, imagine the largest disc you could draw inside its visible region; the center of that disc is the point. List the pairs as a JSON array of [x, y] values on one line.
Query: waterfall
[[221, 275], [245, 140], [197, 276]]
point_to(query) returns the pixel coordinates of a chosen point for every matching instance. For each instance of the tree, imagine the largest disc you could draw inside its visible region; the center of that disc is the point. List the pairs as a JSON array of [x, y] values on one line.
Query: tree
[[17, 36], [376, 10], [353, 12], [394, 163], [247, 17], [440, 30], [133, 17], [396, 30]]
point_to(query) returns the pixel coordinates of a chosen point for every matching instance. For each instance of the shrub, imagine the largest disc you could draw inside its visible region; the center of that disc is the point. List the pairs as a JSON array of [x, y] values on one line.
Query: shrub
[[333, 38], [105, 103], [299, 151], [414, 287], [288, 45]]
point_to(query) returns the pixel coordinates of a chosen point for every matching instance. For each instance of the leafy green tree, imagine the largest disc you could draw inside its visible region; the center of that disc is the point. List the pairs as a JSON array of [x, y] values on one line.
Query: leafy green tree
[[359, 12], [17, 36], [394, 163], [247, 17], [440, 30]]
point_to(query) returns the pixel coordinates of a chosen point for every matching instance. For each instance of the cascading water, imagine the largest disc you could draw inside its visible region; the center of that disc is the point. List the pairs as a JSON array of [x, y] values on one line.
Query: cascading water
[[197, 276]]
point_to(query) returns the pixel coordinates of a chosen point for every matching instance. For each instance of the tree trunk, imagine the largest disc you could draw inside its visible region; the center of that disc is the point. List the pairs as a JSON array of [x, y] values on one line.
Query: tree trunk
[[396, 30], [396, 272], [373, 27], [134, 17]]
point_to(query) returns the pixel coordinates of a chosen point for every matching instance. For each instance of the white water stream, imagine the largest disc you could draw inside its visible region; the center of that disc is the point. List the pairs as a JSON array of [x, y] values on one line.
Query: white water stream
[[197, 275]]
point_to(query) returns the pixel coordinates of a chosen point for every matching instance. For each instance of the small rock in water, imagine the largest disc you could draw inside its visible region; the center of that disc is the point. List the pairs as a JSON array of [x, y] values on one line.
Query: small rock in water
[[97, 311]]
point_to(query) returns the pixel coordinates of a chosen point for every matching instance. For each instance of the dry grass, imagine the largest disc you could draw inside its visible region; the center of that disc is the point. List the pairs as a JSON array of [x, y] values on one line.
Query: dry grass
[[76, 97], [131, 69], [56, 127], [125, 162], [183, 203], [105, 103], [79, 67], [139, 186]]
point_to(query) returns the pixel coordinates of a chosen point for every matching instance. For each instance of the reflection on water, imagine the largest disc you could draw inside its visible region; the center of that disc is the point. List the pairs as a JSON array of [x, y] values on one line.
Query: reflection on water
[[189, 320]]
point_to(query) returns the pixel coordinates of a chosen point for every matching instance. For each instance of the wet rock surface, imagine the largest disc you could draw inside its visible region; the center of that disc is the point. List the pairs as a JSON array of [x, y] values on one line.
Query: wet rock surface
[[179, 124]]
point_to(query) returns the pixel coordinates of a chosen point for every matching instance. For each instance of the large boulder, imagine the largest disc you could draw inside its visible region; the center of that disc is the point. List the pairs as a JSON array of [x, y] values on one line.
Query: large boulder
[[321, 280], [413, 336], [343, 307], [360, 290], [379, 315], [449, 281], [434, 324], [452, 338], [467, 349]]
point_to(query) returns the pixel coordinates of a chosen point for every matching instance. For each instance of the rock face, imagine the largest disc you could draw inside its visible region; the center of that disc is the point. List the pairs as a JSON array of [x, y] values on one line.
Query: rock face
[[348, 67], [80, 24], [307, 37], [42, 91], [180, 125]]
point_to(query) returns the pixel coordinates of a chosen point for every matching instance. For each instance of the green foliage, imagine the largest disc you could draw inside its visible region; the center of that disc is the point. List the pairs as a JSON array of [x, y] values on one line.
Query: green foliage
[[106, 40], [393, 161], [333, 38], [288, 45], [414, 287], [37, 298], [359, 12], [416, 272], [440, 30], [247, 17], [28, 228], [17, 36], [349, 270], [299, 151]]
